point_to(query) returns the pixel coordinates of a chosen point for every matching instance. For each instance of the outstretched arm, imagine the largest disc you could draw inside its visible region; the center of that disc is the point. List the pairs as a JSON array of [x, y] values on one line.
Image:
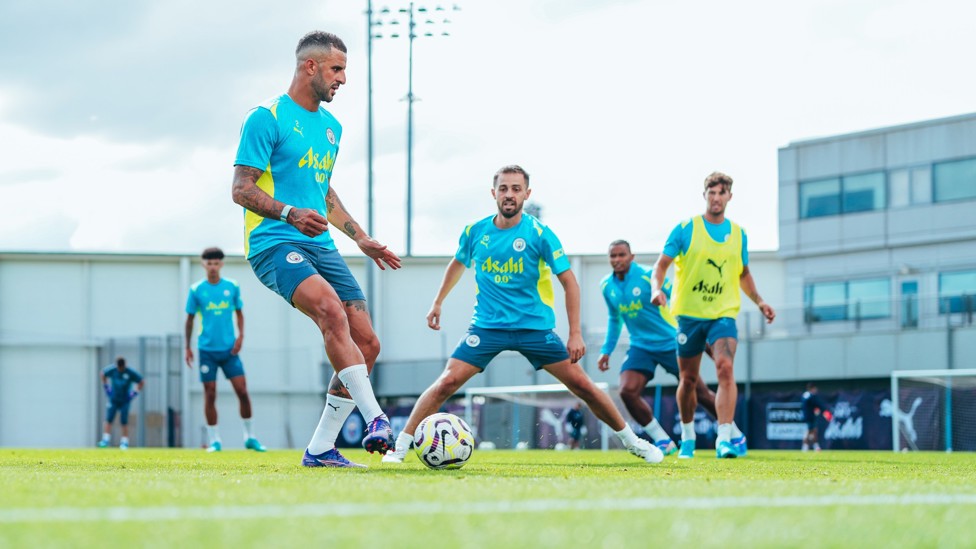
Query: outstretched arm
[[245, 191], [575, 345], [451, 277], [340, 217], [658, 297], [748, 286]]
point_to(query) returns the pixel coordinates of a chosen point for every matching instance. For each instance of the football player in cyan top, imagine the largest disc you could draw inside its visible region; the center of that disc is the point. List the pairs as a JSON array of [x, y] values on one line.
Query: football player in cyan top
[[514, 257]]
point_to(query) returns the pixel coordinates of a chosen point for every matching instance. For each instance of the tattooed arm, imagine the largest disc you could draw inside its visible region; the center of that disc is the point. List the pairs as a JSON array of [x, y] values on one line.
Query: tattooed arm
[[245, 191], [340, 217]]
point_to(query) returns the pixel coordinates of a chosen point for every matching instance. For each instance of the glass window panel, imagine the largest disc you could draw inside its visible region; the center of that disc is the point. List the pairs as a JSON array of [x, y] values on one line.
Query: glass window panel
[[828, 301], [869, 298], [898, 181], [922, 185], [864, 192], [953, 286], [955, 180], [820, 198]]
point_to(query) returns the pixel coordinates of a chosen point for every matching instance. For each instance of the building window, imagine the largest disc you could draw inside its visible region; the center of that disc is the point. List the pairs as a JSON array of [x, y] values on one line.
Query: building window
[[955, 180], [820, 198], [852, 300], [864, 193], [850, 194], [957, 292], [910, 186]]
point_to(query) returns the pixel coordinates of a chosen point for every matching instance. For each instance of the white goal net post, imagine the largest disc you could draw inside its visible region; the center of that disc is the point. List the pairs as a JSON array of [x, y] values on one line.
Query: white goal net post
[[530, 416], [933, 410]]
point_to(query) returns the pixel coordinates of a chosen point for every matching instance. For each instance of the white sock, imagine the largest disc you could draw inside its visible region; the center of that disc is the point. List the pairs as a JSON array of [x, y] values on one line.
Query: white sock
[[337, 409], [125, 440], [356, 380], [212, 434], [688, 431], [248, 429], [106, 437], [724, 433], [736, 433], [627, 436], [403, 441], [654, 429]]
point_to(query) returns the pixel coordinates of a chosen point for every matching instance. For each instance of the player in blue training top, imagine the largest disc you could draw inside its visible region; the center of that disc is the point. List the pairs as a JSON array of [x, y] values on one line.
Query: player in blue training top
[[514, 257], [711, 260], [121, 384], [627, 293], [283, 179], [813, 406], [217, 301]]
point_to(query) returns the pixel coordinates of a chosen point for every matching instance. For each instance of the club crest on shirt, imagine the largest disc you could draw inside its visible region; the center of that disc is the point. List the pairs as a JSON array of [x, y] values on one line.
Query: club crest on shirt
[[294, 257], [329, 135], [636, 291], [226, 293], [519, 244], [472, 340]]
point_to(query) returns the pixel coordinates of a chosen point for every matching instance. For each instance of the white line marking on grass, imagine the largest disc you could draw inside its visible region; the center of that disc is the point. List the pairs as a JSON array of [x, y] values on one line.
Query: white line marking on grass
[[225, 512]]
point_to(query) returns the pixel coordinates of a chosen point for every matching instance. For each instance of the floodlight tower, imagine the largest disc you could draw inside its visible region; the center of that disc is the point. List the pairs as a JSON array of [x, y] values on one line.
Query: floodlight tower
[[388, 25]]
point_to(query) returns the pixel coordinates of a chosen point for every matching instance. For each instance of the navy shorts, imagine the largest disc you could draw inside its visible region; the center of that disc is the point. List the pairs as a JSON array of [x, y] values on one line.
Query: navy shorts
[[694, 333], [480, 345], [111, 407], [283, 267], [211, 361], [645, 362]]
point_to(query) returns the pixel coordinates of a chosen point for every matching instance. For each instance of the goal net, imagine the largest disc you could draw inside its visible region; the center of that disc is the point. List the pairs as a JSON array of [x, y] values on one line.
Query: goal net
[[530, 416], [933, 410]]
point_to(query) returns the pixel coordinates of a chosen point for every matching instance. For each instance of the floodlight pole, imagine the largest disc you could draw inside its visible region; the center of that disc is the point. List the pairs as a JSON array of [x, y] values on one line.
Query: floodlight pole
[[410, 99], [370, 265]]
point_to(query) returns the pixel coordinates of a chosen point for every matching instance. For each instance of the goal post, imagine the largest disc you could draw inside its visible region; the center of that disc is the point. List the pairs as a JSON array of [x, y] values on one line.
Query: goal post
[[498, 415], [933, 410]]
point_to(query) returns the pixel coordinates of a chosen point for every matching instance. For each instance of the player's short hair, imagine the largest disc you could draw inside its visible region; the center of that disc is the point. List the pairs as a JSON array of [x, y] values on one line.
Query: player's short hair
[[619, 242], [811, 386], [212, 253], [513, 168], [120, 362], [718, 178], [318, 41]]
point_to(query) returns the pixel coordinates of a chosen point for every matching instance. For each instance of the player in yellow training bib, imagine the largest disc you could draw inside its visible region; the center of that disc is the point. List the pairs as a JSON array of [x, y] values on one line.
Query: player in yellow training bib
[[711, 262]]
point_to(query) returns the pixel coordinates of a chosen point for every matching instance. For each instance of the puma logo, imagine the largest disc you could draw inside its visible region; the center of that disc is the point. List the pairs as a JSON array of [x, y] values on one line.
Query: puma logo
[[336, 408], [298, 129], [717, 266]]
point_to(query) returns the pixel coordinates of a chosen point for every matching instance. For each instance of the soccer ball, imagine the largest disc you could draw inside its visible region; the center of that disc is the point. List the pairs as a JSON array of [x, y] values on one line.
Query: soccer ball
[[443, 441]]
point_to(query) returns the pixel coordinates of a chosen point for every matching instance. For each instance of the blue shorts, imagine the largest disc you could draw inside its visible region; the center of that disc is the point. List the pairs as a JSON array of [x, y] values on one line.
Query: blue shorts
[[480, 345], [210, 361], [694, 333], [645, 362], [283, 267], [111, 407], [575, 433]]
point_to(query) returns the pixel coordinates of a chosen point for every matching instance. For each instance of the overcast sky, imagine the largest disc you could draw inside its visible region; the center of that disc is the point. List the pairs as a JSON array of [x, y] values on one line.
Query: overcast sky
[[119, 119]]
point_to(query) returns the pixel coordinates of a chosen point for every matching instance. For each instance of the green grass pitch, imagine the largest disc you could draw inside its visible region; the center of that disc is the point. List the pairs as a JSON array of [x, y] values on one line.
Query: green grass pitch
[[188, 498]]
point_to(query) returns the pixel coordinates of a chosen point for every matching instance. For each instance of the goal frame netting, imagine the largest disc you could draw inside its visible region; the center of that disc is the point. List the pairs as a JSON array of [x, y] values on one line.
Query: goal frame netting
[[512, 392], [942, 378]]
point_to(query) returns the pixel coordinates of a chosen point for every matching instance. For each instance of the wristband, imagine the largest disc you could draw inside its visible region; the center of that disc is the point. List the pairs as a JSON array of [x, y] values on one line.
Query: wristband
[[284, 213]]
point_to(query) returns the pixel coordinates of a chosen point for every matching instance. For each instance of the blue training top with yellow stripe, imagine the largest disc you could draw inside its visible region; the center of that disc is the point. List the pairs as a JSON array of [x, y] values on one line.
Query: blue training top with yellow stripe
[[296, 149], [651, 327], [513, 273], [214, 305]]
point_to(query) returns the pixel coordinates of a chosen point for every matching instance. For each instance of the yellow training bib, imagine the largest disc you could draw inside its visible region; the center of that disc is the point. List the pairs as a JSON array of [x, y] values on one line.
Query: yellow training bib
[[707, 275]]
